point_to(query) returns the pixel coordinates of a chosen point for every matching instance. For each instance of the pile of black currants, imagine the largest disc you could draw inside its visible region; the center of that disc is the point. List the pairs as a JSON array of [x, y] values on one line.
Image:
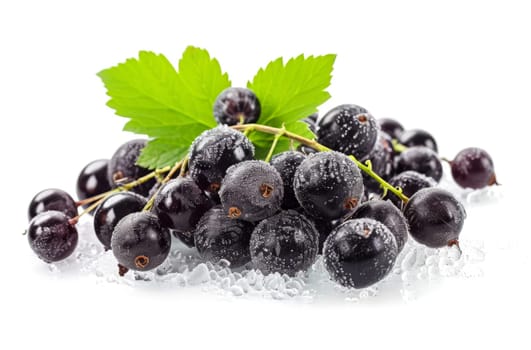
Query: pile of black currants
[[354, 194]]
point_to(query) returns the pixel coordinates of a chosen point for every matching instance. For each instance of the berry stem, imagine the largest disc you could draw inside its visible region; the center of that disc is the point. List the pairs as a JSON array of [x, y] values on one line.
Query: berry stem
[[97, 200], [274, 144], [178, 166], [321, 148], [397, 146]]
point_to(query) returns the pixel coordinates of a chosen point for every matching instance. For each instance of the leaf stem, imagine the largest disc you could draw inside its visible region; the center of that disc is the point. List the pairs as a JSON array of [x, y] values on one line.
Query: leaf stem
[[321, 148], [274, 144]]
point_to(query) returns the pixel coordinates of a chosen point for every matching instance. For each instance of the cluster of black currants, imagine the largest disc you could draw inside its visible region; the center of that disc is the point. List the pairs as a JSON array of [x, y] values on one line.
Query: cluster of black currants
[[275, 215]]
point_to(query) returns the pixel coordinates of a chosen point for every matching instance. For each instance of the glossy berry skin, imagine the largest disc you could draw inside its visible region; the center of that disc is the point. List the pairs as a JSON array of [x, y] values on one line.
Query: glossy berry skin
[[51, 236], [93, 180], [213, 152], [306, 150], [324, 228], [284, 243], [349, 129], [112, 210], [418, 137], [219, 237], [328, 185], [179, 205], [251, 191], [311, 120], [410, 182], [122, 166], [473, 168], [381, 157], [359, 253], [435, 217], [391, 127], [420, 159], [286, 164], [237, 105], [139, 242], [52, 199], [389, 215]]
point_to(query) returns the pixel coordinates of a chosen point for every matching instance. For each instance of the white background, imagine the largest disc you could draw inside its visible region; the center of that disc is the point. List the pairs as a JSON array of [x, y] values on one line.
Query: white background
[[460, 69]]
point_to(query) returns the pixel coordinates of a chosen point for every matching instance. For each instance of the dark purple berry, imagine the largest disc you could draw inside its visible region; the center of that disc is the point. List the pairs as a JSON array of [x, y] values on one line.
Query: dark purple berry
[[52, 199], [179, 205], [123, 168], [112, 210], [251, 191], [139, 242], [359, 253], [284, 243], [410, 182], [306, 150], [213, 152], [389, 215], [324, 228], [219, 237], [391, 127], [420, 159], [51, 236], [349, 129], [237, 106], [93, 180], [286, 164], [328, 185], [417, 137], [311, 120], [473, 168], [435, 217]]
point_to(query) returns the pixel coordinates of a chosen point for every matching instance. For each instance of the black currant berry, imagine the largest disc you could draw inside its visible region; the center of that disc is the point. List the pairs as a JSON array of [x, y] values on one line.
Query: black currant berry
[[251, 191], [349, 129], [306, 150], [52, 199], [284, 243], [139, 242], [420, 159], [435, 217], [389, 215], [417, 137], [213, 152], [286, 164], [311, 120], [473, 168], [359, 253], [51, 236], [123, 168], [328, 185], [113, 209], [219, 237], [236, 105], [93, 180], [324, 228], [381, 157], [410, 182], [391, 127], [179, 205]]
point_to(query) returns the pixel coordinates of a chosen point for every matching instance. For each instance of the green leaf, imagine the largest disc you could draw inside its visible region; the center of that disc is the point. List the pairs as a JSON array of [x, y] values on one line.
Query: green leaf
[[171, 107], [289, 92]]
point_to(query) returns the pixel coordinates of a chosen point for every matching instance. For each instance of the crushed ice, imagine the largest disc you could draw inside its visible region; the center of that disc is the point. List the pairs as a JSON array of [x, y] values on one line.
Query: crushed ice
[[415, 268]]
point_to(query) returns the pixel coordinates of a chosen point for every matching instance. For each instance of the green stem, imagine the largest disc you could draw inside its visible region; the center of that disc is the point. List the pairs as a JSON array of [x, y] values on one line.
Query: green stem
[[178, 166], [397, 146], [321, 148], [274, 144], [98, 199]]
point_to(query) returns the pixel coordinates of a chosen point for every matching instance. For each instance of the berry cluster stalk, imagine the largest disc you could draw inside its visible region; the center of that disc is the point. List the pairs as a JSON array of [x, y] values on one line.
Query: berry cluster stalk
[[247, 128]]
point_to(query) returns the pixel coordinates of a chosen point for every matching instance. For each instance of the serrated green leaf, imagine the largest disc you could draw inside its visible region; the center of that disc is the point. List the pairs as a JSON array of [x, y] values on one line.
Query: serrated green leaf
[[162, 152], [163, 103], [289, 92]]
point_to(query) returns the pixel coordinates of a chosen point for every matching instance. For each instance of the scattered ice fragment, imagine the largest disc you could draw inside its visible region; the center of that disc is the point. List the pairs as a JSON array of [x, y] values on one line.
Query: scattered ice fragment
[[199, 275]]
